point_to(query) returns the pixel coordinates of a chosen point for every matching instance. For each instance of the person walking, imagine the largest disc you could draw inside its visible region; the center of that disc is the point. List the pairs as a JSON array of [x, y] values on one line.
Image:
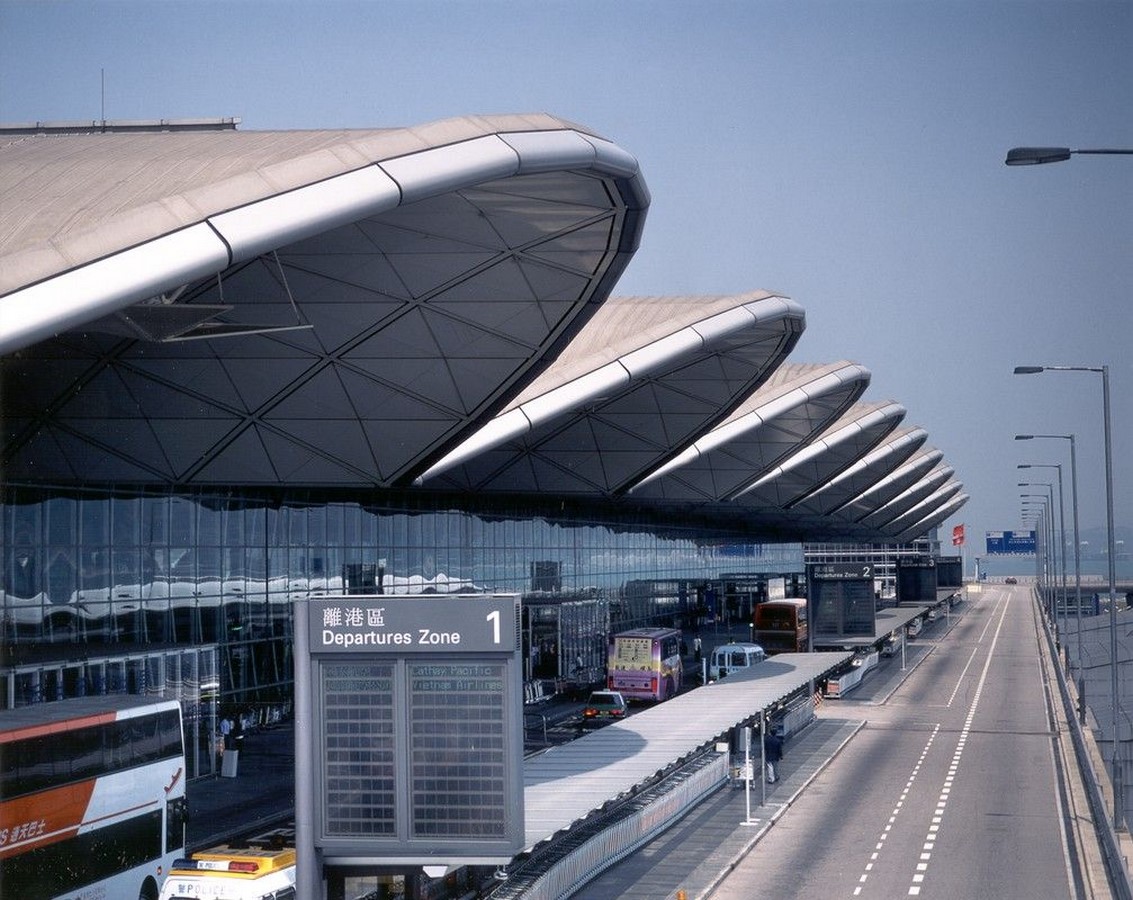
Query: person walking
[[696, 647], [772, 753]]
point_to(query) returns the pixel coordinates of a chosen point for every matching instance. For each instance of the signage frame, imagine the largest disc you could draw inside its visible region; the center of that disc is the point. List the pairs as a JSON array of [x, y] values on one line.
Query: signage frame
[[481, 641]]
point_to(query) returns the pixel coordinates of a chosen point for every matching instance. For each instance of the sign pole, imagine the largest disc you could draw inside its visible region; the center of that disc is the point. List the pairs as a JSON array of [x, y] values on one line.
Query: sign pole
[[308, 870], [747, 774]]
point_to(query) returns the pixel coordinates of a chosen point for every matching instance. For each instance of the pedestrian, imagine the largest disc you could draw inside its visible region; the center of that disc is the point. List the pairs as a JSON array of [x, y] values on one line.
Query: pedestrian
[[696, 647], [772, 753], [226, 732], [238, 733]]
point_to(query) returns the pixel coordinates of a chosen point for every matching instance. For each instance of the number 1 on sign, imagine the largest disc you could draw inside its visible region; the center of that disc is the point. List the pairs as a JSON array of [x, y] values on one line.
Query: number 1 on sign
[[494, 618]]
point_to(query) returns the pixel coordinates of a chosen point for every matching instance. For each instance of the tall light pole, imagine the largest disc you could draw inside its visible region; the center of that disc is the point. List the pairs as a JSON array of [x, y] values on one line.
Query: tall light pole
[[1062, 533], [1077, 560], [1030, 156], [1048, 554], [1111, 553]]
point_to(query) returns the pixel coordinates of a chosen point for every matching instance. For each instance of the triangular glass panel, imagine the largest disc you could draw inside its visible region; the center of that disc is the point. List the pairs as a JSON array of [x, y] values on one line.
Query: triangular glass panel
[[197, 377], [243, 461], [327, 451], [187, 443], [399, 446], [260, 383], [321, 396]]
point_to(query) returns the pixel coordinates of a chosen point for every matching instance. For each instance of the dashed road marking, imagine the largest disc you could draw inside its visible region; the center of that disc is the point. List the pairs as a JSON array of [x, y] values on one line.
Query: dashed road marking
[[946, 789]]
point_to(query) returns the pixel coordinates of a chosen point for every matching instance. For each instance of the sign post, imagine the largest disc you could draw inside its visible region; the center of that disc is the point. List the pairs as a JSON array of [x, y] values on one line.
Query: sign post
[[408, 740]]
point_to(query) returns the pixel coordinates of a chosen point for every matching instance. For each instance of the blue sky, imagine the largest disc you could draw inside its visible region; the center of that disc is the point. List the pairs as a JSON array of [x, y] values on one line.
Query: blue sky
[[848, 154]]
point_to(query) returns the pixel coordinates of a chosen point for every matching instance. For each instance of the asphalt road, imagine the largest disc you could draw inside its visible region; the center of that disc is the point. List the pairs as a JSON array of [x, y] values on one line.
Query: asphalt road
[[951, 790]]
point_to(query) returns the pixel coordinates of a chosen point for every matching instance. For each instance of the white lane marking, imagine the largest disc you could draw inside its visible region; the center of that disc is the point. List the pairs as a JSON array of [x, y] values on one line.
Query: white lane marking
[[946, 788], [896, 809], [975, 650]]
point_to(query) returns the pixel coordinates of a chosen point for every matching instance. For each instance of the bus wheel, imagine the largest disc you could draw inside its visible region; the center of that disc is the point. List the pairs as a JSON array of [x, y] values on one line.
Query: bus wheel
[[149, 890]]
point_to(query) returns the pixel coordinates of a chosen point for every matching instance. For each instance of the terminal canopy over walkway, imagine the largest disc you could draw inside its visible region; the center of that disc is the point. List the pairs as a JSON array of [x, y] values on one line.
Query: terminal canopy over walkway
[[568, 783]]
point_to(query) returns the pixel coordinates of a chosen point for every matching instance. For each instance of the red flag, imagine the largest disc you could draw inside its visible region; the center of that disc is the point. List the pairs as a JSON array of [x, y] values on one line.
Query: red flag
[[958, 536]]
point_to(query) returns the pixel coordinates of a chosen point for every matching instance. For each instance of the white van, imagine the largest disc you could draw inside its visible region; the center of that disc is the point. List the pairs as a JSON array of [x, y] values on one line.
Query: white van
[[730, 657]]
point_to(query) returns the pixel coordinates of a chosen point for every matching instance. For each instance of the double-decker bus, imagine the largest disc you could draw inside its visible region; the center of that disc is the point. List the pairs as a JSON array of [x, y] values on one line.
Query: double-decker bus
[[645, 663], [92, 797], [781, 625]]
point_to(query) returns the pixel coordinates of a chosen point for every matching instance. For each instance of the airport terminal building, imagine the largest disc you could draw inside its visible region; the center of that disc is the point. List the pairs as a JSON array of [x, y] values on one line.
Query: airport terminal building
[[242, 369]]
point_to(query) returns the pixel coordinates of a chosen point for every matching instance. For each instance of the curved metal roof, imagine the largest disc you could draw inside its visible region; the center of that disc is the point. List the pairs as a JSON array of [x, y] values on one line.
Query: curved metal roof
[[898, 506], [857, 432], [930, 504], [797, 403], [933, 519], [389, 307], [865, 473], [364, 304], [643, 379], [891, 486]]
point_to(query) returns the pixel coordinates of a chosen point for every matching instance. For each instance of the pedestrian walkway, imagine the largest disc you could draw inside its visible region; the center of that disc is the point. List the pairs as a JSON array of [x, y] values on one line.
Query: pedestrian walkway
[[262, 791], [696, 853]]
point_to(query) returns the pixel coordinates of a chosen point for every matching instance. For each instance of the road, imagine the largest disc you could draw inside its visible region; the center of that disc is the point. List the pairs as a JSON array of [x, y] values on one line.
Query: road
[[951, 790]]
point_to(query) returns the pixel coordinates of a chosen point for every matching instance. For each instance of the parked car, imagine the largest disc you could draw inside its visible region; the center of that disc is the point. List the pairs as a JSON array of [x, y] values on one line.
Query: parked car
[[604, 707], [1011, 579]]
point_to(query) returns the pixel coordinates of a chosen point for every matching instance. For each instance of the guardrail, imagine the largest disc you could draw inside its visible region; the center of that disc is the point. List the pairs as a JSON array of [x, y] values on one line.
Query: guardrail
[[591, 848], [1114, 861]]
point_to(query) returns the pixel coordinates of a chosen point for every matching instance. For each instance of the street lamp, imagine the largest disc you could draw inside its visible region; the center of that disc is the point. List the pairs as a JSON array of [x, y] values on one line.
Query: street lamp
[[1050, 561], [1077, 560], [1034, 514], [1062, 532], [1035, 156], [1118, 791]]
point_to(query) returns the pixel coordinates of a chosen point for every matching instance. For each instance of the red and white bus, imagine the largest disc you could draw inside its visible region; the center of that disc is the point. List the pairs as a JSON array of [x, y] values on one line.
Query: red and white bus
[[645, 663], [92, 798]]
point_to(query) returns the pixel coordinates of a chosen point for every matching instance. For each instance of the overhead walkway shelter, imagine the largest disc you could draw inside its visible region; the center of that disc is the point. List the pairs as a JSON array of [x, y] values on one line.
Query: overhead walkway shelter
[[568, 783]]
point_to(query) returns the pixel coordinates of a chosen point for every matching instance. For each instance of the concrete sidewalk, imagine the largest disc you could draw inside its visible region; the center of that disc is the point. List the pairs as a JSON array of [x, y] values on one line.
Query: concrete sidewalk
[[696, 853], [262, 791]]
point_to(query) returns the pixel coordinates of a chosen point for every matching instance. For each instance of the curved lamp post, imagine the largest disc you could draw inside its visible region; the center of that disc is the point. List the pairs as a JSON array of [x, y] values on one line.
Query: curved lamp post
[[1077, 560], [1118, 789], [1036, 156], [1032, 156]]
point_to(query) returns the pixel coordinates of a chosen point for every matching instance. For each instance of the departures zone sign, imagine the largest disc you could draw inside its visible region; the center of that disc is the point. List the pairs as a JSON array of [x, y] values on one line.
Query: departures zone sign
[[417, 744], [840, 600], [399, 625]]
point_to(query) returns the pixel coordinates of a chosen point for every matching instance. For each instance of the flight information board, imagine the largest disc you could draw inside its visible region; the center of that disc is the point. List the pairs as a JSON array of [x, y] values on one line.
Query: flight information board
[[841, 602], [358, 749], [457, 752], [916, 581], [415, 737]]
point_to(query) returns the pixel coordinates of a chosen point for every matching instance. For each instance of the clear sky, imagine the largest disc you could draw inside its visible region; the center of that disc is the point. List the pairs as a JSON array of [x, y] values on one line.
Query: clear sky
[[847, 154]]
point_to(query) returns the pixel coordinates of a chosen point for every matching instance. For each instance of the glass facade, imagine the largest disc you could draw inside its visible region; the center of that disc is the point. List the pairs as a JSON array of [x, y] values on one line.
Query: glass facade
[[123, 572]]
